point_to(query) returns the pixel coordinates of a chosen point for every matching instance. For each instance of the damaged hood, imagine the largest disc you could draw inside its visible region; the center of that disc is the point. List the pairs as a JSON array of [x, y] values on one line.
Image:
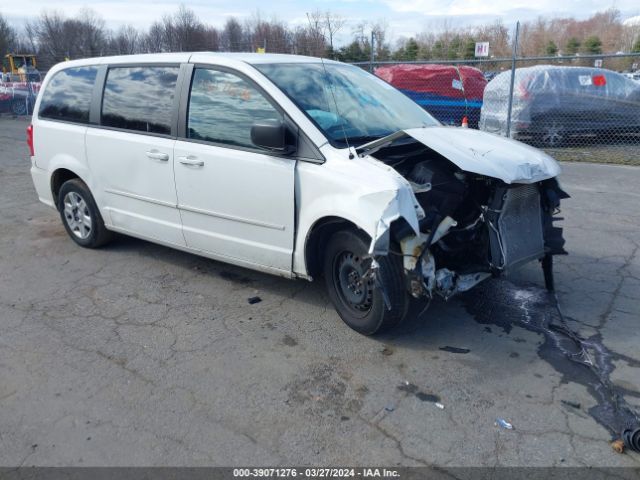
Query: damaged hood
[[478, 152]]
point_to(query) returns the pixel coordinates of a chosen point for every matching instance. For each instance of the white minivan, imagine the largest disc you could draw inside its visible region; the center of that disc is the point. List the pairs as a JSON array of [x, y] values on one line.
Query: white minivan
[[290, 165]]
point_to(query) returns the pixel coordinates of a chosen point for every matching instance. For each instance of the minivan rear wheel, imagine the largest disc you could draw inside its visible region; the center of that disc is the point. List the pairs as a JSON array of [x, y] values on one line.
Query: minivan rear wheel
[[80, 215], [356, 297]]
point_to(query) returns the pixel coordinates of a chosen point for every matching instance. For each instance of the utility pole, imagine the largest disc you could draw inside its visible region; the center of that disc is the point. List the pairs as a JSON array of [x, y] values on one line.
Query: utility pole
[[373, 36], [513, 78]]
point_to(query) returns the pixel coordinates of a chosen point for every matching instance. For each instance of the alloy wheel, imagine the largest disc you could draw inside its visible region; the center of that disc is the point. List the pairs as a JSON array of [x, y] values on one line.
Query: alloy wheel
[[77, 215], [553, 135]]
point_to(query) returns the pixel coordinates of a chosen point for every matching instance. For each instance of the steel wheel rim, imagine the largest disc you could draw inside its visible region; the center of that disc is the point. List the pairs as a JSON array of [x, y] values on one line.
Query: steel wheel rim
[[355, 291], [19, 108], [552, 135], [77, 215]]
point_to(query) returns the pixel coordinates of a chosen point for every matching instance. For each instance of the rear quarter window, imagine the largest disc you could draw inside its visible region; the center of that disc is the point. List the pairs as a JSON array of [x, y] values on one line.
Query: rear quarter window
[[67, 95]]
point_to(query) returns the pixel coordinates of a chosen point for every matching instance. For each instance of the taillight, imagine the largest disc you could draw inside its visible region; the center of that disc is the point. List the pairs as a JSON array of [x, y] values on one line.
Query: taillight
[[30, 139], [523, 92], [523, 88], [599, 80]]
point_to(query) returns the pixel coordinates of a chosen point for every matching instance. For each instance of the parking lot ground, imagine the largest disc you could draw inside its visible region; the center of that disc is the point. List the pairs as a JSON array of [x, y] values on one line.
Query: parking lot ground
[[136, 354]]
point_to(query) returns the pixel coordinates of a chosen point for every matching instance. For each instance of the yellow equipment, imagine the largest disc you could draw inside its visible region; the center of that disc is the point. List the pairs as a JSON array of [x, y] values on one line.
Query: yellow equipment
[[19, 64]]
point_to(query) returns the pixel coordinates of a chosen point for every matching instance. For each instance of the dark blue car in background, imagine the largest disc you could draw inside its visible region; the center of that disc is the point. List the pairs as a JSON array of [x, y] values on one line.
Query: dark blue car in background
[[555, 105]]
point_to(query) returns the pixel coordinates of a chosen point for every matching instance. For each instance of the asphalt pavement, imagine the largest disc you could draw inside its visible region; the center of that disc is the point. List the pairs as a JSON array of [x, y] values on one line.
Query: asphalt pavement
[[136, 354]]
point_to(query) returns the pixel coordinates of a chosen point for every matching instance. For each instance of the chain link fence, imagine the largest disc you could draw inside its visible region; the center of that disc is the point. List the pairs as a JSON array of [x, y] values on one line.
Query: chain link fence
[[578, 108], [18, 93]]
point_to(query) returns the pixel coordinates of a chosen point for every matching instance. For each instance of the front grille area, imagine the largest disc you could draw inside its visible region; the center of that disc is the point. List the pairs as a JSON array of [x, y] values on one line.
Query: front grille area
[[519, 237]]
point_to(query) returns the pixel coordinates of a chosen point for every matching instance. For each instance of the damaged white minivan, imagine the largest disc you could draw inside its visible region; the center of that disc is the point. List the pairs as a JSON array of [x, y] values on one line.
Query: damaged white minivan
[[294, 166]]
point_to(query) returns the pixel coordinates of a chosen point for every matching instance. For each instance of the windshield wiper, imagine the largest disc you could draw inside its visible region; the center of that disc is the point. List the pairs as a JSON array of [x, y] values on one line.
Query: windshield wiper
[[359, 140]]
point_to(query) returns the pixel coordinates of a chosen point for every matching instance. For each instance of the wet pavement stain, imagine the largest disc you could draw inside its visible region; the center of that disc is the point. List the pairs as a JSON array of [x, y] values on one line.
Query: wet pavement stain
[[420, 395], [289, 341], [585, 361], [454, 349]]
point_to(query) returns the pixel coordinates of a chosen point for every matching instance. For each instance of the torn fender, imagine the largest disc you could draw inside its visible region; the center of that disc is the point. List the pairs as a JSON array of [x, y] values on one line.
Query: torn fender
[[393, 204]]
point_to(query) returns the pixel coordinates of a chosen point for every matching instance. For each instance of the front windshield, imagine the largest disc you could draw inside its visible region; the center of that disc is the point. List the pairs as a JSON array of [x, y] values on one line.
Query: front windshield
[[345, 101]]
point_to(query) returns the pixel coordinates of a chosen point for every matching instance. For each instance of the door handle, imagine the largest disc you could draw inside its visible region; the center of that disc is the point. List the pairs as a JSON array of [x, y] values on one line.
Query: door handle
[[191, 161], [154, 154]]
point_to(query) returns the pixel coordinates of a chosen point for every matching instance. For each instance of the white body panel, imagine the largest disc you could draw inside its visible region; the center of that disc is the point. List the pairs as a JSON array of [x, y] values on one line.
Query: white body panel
[[488, 154], [358, 190], [136, 189], [251, 209], [236, 204], [63, 146]]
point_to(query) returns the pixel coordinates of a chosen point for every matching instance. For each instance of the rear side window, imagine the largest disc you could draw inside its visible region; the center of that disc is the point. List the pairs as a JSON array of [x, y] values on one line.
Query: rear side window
[[223, 107], [139, 98], [68, 95]]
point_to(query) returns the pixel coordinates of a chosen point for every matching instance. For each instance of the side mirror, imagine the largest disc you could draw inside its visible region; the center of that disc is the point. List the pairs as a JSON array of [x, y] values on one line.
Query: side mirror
[[272, 135]]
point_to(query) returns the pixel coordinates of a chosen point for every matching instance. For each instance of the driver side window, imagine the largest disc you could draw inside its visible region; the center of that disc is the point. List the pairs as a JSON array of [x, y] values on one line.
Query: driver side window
[[224, 106]]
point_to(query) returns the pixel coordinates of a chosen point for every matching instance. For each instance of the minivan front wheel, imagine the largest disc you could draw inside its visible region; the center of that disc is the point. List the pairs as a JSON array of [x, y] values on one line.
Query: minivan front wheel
[[80, 215], [356, 295]]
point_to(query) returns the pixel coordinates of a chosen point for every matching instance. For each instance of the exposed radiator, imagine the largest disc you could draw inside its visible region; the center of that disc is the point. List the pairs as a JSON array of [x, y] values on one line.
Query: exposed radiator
[[516, 232]]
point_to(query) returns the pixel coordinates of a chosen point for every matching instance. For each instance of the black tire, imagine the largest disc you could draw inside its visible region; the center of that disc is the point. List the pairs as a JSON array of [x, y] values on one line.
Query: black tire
[[19, 107], [91, 234], [359, 303]]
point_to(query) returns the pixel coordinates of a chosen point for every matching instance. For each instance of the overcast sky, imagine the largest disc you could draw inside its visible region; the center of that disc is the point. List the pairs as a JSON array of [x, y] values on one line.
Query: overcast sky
[[404, 17]]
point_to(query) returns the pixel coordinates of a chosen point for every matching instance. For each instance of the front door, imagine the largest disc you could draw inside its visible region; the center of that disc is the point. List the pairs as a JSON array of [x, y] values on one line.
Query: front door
[[236, 200]]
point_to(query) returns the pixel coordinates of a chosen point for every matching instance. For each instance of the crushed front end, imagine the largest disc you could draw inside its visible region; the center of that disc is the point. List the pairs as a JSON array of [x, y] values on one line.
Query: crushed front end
[[474, 226]]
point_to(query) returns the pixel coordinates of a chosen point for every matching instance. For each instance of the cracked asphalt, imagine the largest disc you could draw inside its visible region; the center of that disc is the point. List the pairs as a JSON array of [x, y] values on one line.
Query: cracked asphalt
[[139, 355]]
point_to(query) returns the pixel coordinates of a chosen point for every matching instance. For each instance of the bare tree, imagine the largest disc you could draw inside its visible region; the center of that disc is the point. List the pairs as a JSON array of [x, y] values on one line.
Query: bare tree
[[630, 34], [498, 37], [382, 50], [91, 35], [316, 32], [332, 24], [233, 36], [126, 41], [181, 31], [605, 25], [212, 38], [49, 34], [58, 38], [301, 43], [154, 40], [55, 37], [187, 31], [273, 36], [8, 36]]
